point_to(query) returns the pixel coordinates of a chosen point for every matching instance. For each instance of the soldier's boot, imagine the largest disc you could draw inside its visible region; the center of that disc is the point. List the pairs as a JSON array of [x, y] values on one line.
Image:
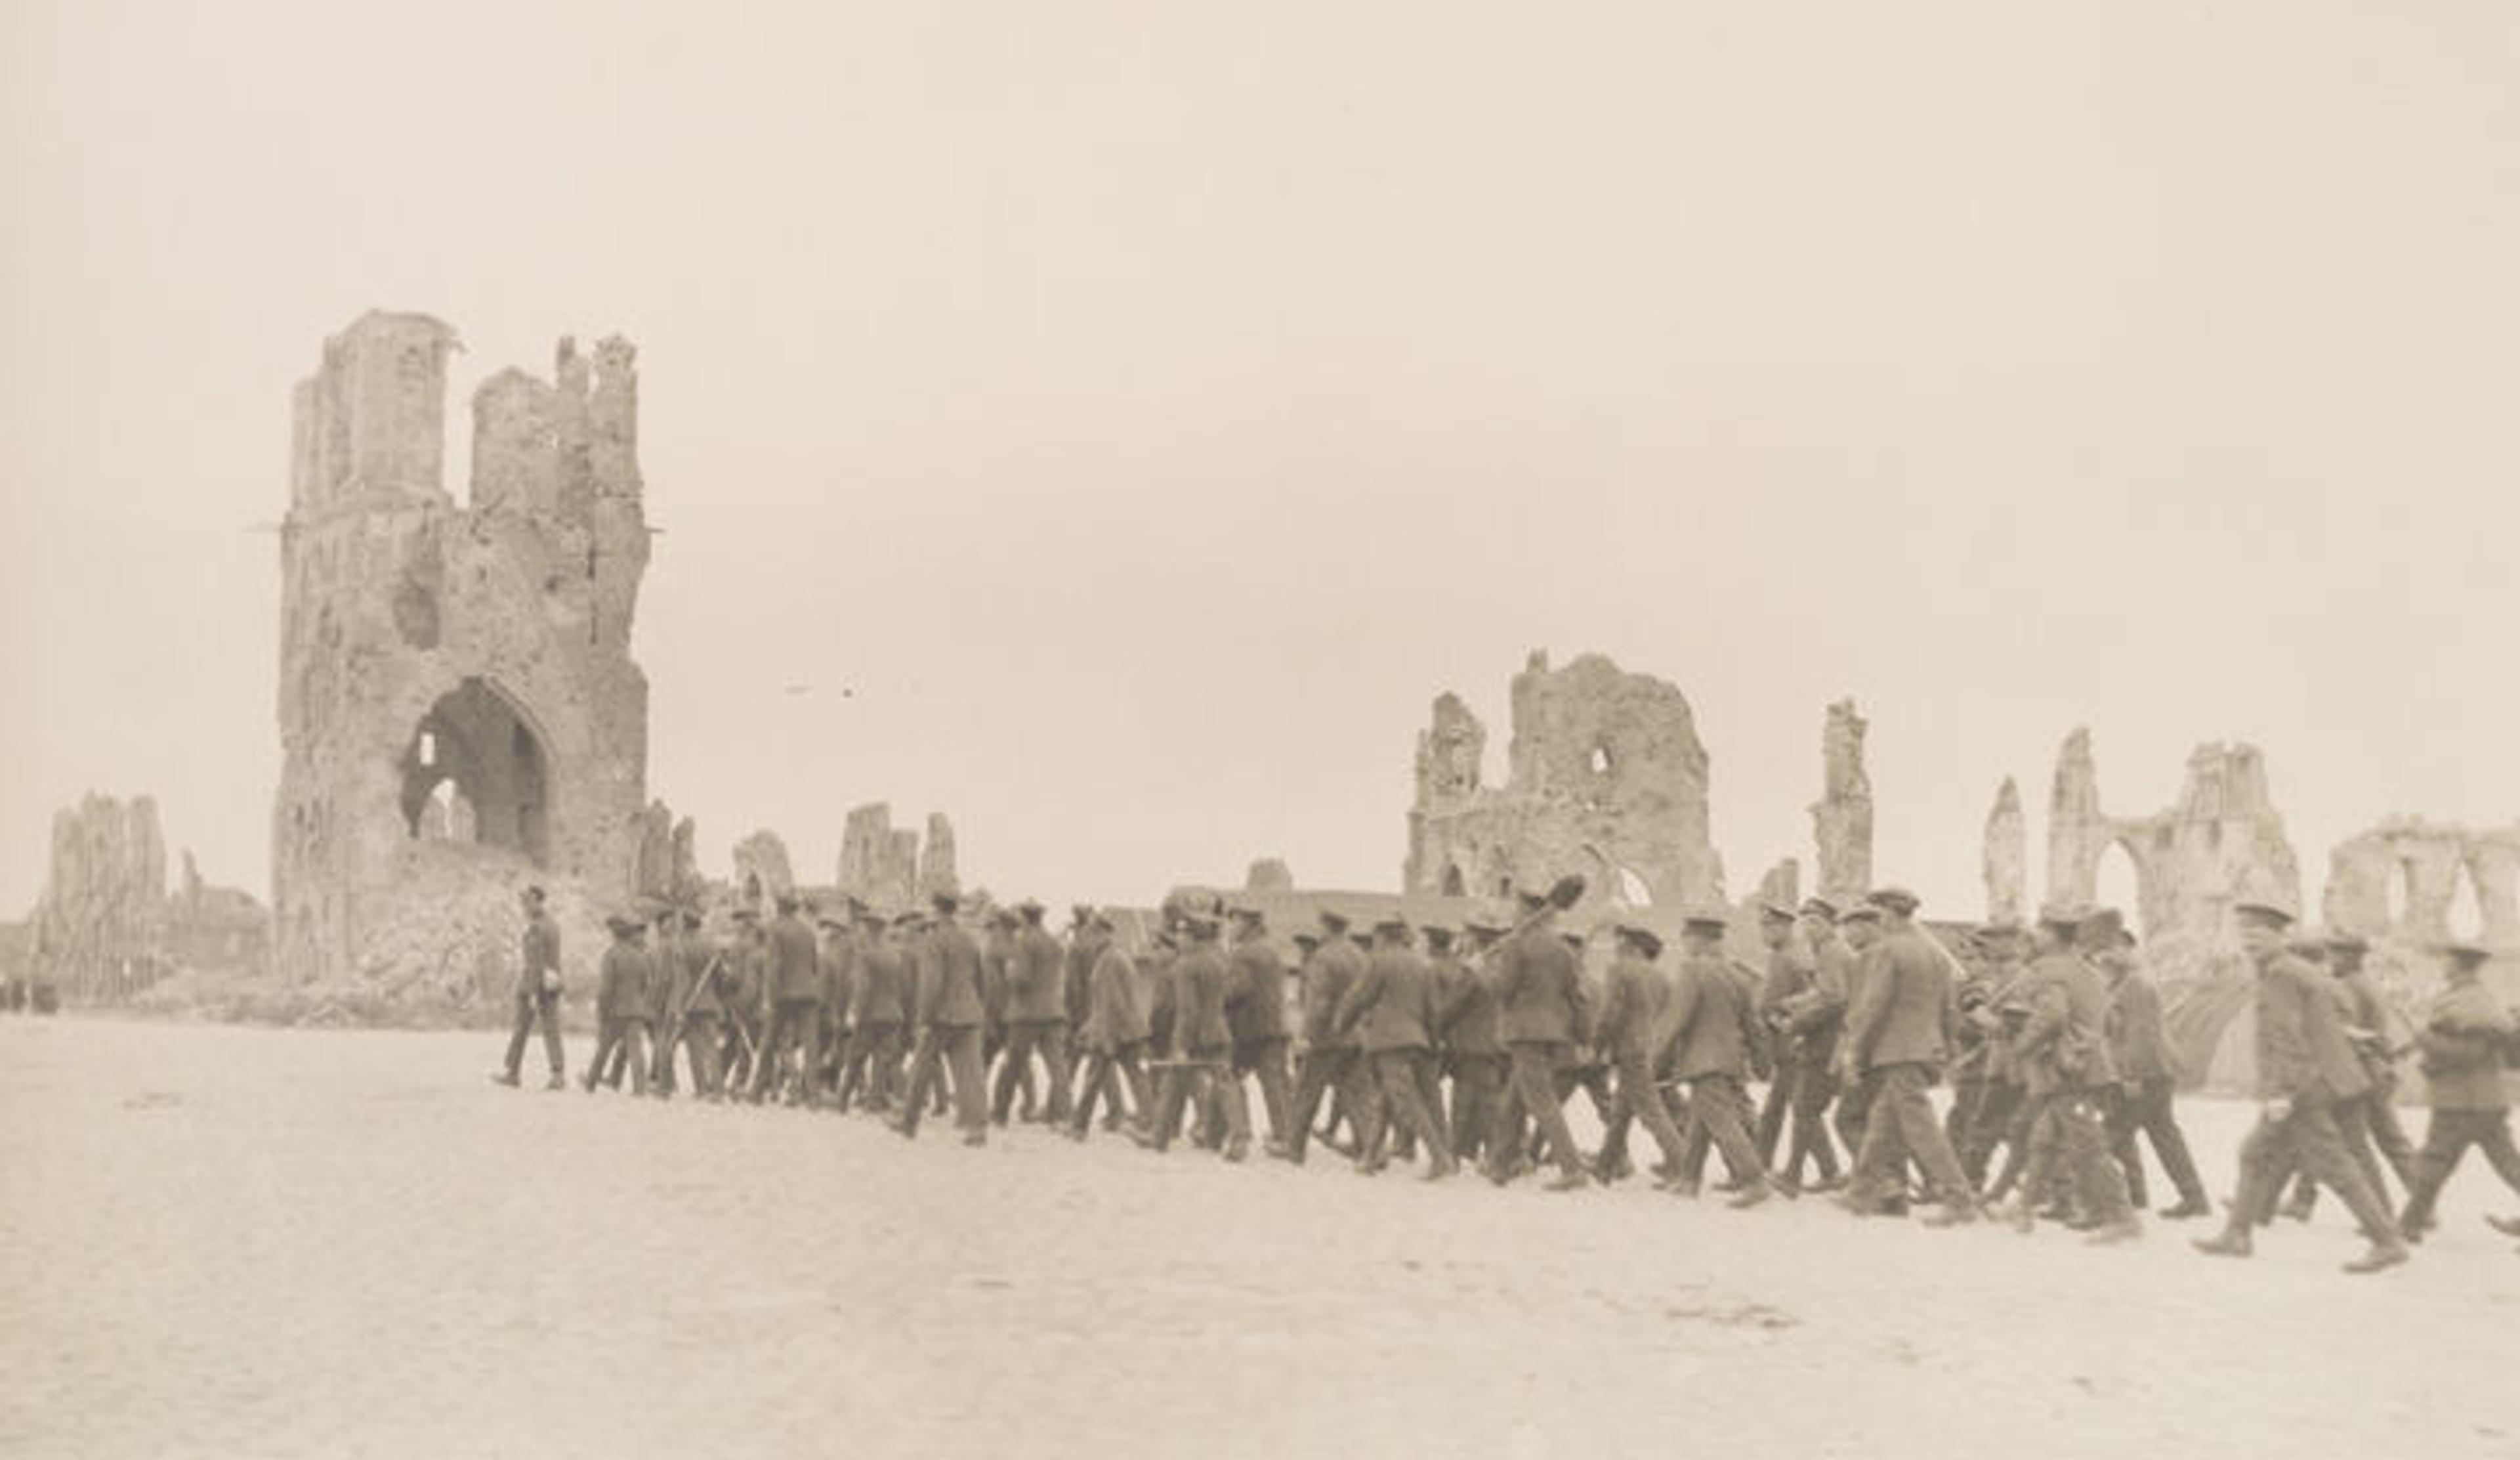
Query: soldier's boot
[[2386, 1251], [506, 1078], [1238, 1149], [1754, 1191], [1572, 1178], [2231, 1242], [2188, 1207], [1959, 1212], [558, 1081], [2301, 1203]]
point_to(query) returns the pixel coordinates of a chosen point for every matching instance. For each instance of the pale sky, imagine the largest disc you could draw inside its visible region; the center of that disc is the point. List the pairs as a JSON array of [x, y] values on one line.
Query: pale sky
[[1146, 409]]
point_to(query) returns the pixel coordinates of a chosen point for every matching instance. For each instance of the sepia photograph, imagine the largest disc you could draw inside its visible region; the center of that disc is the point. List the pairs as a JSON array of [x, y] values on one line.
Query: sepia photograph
[[1100, 728]]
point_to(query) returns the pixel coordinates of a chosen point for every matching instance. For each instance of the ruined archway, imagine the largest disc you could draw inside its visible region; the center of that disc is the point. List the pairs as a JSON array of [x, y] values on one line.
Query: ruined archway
[[2464, 918], [480, 745], [2117, 881]]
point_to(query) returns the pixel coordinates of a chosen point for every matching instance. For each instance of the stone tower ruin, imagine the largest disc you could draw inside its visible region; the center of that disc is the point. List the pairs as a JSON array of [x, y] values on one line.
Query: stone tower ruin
[[459, 710]]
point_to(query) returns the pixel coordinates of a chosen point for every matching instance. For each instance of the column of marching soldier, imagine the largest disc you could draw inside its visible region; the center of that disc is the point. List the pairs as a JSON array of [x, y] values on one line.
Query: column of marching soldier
[[2053, 1039]]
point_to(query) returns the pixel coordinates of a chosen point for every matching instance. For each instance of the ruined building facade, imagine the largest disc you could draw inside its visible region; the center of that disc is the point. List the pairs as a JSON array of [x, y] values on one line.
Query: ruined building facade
[[2220, 843], [1605, 777], [1842, 817], [2398, 882], [459, 710], [891, 868], [106, 926]]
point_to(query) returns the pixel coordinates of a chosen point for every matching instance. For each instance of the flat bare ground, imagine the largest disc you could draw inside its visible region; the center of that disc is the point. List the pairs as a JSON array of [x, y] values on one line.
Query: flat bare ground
[[239, 1242]]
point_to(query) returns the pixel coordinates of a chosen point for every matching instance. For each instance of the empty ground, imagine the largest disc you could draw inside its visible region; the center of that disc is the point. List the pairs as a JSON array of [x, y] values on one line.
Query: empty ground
[[232, 1242]]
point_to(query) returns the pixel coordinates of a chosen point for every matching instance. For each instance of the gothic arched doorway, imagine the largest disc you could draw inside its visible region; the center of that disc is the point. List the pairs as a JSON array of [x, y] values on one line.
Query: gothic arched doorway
[[477, 771]]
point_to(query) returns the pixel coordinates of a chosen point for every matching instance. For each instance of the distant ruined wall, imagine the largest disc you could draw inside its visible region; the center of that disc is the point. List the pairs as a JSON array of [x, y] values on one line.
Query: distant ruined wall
[[2007, 856], [1607, 777], [106, 926], [459, 710], [2220, 843], [886, 867], [2398, 880], [1842, 818]]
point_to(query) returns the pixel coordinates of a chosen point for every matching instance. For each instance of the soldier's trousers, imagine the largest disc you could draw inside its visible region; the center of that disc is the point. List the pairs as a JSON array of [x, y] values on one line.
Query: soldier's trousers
[[1478, 1089], [628, 1035], [1719, 1114], [696, 1037], [1534, 1091], [533, 1009], [1324, 1067], [1637, 1098], [2308, 1138], [1773, 1106], [2446, 1141], [1265, 1061], [1997, 1106], [1815, 1087], [2145, 1109], [944, 1048], [794, 1025], [743, 1043], [2368, 1123], [2066, 1131], [1855, 1108], [874, 1066], [1101, 1080], [1899, 1127], [1209, 1070], [1405, 1078], [1024, 1037]]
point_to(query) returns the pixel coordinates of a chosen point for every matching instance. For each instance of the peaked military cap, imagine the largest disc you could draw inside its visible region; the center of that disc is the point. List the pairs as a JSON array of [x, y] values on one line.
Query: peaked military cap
[[1643, 940], [1864, 912], [2265, 914], [1897, 899], [1819, 907], [2465, 954]]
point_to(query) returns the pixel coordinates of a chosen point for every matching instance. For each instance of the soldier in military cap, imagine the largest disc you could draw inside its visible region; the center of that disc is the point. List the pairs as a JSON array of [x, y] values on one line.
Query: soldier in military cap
[[949, 1016], [2465, 1041], [621, 1007], [2305, 1065], [1715, 1035], [1465, 1028], [1390, 1013], [1543, 1013], [1633, 1032], [740, 997], [793, 998], [1859, 928], [1036, 1016], [2064, 1050], [2369, 1121], [2148, 1072], [1203, 1046], [1897, 1035], [1788, 974], [692, 1007], [1329, 1060], [538, 988], [1113, 1036], [1256, 1015]]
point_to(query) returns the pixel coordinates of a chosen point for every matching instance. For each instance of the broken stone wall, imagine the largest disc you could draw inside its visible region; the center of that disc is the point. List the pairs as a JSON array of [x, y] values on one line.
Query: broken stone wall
[[2007, 856], [106, 926], [1842, 818], [1607, 778], [886, 867], [2220, 843], [459, 709], [2399, 880]]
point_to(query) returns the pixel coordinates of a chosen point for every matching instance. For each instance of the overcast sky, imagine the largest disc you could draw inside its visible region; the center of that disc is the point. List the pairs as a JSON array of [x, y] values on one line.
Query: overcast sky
[[1144, 410]]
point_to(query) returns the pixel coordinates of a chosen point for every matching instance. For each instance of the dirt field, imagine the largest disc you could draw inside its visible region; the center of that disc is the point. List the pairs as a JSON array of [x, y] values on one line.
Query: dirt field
[[237, 1242]]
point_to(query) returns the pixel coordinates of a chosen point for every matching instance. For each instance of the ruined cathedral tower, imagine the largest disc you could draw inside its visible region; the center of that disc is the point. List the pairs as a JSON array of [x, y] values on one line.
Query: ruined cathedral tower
[[459, 710]]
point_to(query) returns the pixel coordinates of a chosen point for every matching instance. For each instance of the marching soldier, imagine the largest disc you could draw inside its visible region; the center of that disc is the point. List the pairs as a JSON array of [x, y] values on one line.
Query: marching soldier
[[949, 1016], [2147, 1070], [693, 1002], [1393, 1004], [1860, 927], [1466, 1026], [1715, 1032], [2304, 1066], [1543, 1015], [1330, 1057], [1036, 1016], [622, 1003], [2064, 1055], [879, 1004], [2464, 1042], [1083, 951], [1985, 1039], [1256, 1015], [1113, 1036], [1202, 1047], [1633, 1033], [1789, 974], [1898, 1033], [794, 993], [1812, 1020], [2370, 1120], [746, 960], [538, 987]]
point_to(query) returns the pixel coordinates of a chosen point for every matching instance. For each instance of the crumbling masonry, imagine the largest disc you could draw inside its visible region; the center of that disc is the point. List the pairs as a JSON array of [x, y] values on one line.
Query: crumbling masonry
[[2220, 843], [1607, 777], [459, 709]]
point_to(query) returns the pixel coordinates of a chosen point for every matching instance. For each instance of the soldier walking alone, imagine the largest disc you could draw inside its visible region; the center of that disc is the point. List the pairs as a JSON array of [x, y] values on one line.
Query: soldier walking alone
[[537, 994]]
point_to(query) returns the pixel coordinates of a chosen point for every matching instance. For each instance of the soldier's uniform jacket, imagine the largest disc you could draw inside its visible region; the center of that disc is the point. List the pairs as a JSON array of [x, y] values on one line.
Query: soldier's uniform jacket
[[997, 963], [1634, 1010], [1903, 1010], [1083, 952], [2139, 1040], [665, 973], [1038, 991], [797, 971], [1257, 1010], [696, 988], [2367, 1019], [949, 980], [1540, 991], [1465, 1010], [1817, 1013], [2462, 1040], [1201, 982], [1789, 978], [2302, 1049], [622, 990], [2064, 1044], [1393, 1003], [541, 954], [841, 958], [1712, 1025], [1114, 1018], [1155, 995], [1335, 967], [883, 974]]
